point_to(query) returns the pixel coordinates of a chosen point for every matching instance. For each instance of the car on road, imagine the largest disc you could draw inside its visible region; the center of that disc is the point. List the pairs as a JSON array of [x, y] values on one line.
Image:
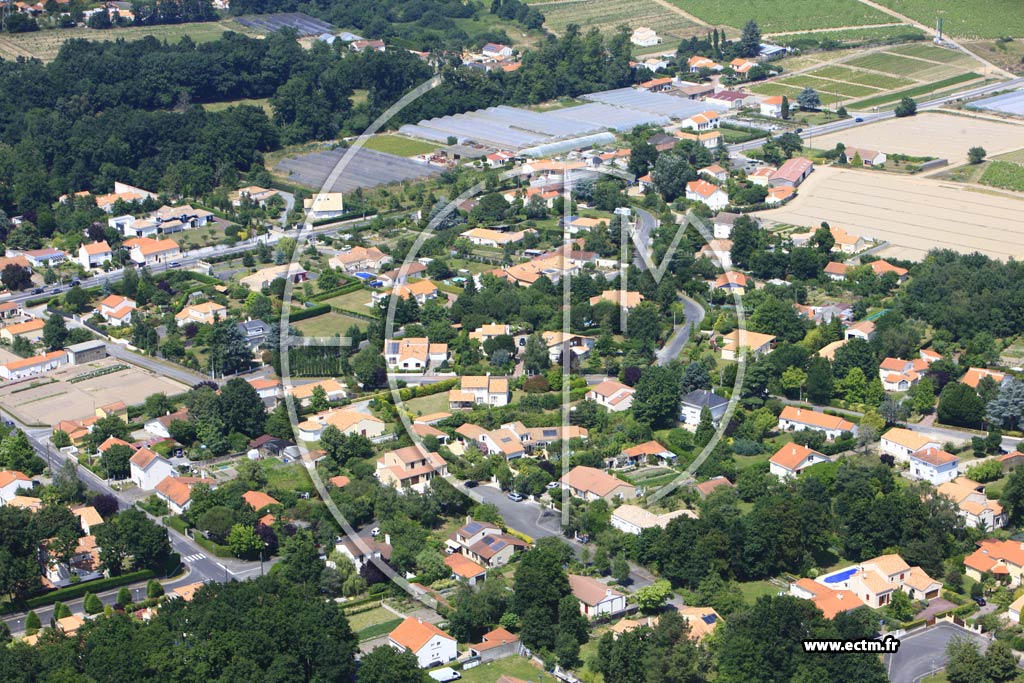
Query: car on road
[[981, 601], [858, 120], [471, 484], [799, 130], [75, 283], [174, 264], [515, 497], [37, 290]]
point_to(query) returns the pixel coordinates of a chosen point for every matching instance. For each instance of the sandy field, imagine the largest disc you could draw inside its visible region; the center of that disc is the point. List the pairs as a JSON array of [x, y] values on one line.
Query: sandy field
[[913, 214], [944, 136], [55, 401]]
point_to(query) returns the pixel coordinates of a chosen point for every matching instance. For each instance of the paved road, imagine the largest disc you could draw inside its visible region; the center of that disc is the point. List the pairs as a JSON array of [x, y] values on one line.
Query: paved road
[[924, 652], [693, 315]]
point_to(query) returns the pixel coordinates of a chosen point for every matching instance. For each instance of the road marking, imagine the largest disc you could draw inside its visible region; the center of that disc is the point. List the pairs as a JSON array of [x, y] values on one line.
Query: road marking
[[194, 558]]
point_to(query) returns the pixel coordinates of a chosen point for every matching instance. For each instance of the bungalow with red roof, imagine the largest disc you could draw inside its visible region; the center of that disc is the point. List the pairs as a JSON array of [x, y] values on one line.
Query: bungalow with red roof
[[706, 488], [496, 644], [974, 375], [258, 500], [836, 271], [793, 419], [792, 459], [177, 491], [11, 482], [596, 598], [117, 310], [641, 454], [1002, 559], [590, 483], [430, 645], [881, 267], [465, 569], [900, 443], [613, 395]]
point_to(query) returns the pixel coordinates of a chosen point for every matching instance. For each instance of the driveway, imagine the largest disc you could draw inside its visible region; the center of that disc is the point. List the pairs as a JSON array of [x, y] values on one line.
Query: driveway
[[934, 607], [924, 652]]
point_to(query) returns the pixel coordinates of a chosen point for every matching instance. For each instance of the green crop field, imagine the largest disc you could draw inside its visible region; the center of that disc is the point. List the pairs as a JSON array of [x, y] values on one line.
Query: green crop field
[[608, 15], [853, 36], [779, 16], [44, 45], [903, 66], [965, 18], [775, 88], [823, 85], [916, 93], [934, 54], [1004, 174], [842, 73], [399, 145]]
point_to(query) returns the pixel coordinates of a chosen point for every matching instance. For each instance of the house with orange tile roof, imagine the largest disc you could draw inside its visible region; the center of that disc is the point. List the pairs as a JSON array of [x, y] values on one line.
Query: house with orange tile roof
[[486, 237], [186, 592], [872, 583], [732, 281], [490, 331], [881, 267], [474, 390], [830, 601], [1011, 461], [632, 519], [359, 259], [32, 330], [116, 310], [203, 314], [496, 644], [619, 297], [88, 518], [712, 195], [933, 465], [793, 419], [465, 569], [846, 242], [414, 353], [792, 459], [900, 443], [147, 469], [706, 120], [36, 365], [590, 483], [976, 509], [898, 374], [147, 251], [94, 255], [865, 329], [771, 106], [345, 420], [410, 467], [836, 271], [11, 482], [430, 645], [258, 500], [304, 392], [1002, 559], [974, 375], [612, 394], [740, 341], [641, 454], [706, 488], [177, 491], [30, 503], [596, 598]]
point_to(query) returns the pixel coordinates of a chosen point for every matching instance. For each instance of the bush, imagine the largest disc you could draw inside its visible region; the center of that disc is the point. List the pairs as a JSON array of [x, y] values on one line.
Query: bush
[[124, 596], [154, 589], [536, 385], [32, 623], [92, 604], [98, 586]]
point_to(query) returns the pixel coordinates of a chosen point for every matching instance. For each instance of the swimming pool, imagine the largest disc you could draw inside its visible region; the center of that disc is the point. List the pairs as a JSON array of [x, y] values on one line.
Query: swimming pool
[[364, 276], [841, 576]]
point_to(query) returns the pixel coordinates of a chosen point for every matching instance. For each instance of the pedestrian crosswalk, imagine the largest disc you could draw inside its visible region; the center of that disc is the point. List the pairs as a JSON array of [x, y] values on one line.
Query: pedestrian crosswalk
[[194, 558]]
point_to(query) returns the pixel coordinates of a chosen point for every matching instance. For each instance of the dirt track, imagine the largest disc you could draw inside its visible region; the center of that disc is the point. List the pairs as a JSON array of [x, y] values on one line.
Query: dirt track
[[913, 214]]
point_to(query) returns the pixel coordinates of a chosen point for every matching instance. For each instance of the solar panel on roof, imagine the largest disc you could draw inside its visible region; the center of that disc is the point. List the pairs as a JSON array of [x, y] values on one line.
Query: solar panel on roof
[[473, 527], [709, 619]]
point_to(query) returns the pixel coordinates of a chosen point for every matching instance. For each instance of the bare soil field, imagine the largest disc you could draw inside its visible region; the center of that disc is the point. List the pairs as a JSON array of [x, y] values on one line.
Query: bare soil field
[[52, 401], [929, 134], [913, 214]]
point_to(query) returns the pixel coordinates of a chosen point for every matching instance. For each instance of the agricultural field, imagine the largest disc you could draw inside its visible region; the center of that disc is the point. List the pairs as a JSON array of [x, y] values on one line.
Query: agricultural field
[[823, 85], [933, 54], [965, 18], [399, 145], [791, 91], [44, 45], [1005, 53], [1004, 174], [608, 15], [900, 65], [852, 36], [917, 93], [875, 80], [779, 16]]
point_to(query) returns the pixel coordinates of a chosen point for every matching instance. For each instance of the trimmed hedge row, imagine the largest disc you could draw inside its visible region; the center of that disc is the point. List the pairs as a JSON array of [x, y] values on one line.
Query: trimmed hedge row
[[78, 590], [215, 548], [310, 312]]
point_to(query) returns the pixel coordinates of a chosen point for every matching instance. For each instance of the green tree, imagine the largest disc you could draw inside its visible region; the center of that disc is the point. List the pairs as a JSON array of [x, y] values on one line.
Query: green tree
[[61, 611], [906, 107], [960, 405], [55, 332], [644, 324], [16, 453], [241, 408], [750, 40], [1013, 496], [620, 569], [300, 561], [657, 398], [808, 99], [705, 428], [131, 539], [922, 395], [244, 541], [965, 663], [157, 405], [900, 607], [76, 299], [784, 109], [976, 155], [387, 665], [114, 461], [651, 598], [124, 596], [91, 604], [32, 623], [540, 584], [154, 589], [819, 380], [369, 368], [793, 379], [535, 356], [216, 522], [1000, 662], [318, 399]]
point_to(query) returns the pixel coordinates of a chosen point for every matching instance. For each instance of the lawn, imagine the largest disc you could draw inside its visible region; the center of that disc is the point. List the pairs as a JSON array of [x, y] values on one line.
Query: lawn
[[1004, 174], [199, 237], [425, 405], [965, 18], [916, 93], [752, 590], [45, 44], [262, 103], [372, 617], [853, 36], [516, 667], [779, 16], [607, 15], [329, 324], [290, 477], [353, 301], [399, 145]]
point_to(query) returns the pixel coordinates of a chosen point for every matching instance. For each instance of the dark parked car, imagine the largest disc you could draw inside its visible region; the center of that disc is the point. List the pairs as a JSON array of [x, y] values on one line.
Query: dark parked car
[[981, 602], [470, 484]]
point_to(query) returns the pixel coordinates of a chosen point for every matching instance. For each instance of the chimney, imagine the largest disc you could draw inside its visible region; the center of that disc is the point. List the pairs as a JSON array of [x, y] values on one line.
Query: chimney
[[387, 539], [469, 518]]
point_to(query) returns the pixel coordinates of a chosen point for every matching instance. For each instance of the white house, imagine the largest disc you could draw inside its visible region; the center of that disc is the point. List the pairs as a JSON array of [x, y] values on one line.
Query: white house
[[414, 353], [643, 36], [496, 51], [158, 425], [712, 195], [147, 469], [147, 251], [870, 157], [94, 255], [933, 465], [900, 443], [431, 645], [613, 395], [694, 403], [479, 390], [793, 419], [12, 481], [772, 106], [792, 459], [596, 598], [632, 519], [324, 205], [117, 310]]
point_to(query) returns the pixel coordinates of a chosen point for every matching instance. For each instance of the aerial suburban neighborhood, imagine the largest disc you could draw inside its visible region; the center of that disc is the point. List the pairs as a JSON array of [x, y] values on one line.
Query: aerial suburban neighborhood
[[513, 342]]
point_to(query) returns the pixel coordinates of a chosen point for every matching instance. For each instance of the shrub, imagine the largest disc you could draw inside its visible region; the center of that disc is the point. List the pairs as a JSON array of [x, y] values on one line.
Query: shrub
[[154, 589], [92, 604]]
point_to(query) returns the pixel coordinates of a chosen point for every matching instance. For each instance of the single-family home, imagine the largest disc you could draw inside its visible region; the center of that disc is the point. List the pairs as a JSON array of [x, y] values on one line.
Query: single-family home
[[732, 281], [363, 550], [836, 271], [264, 277], [1002, 559], [643, 36], [410, 467], [792, 172], [620, 297], [1011, 460], [865, 329], [596, 598], [479, 390], [94, 255], [485, 237], [976, 509], [772, 106], [723, 223], [657, 84], [712, 195], [11, 482], [737, 341], [117, 310], [347, 421], [718, 251], [32, 330], [590, 483], [414, 353], [933, 465], [158, 426], [900, 443], [730, 99], [779, 195], [1014, 610], [11, 309], [870, 157], [496, 51], [830, 601], [147, 469], [88, 518], [641, 454], [177, 491], [873, 582], [846, 242], [465, 569], [881, 267], [430, 645], [706, 488], [762, 175], [613, 395], [793, 419], [496, 644], [41, 258], [36, 365], [483, 542], [792, 459], [697, 62], [898, 374], [715, 172], [420, 290], [696, 401], [359, 259], [333, 389], [205, 313], [742, 66], [147, 251], [712, 139], [632, 519], [558, 343], [706, 120], [255, 332], [257, 500], [324, 205], [256, 195], [973, 376]]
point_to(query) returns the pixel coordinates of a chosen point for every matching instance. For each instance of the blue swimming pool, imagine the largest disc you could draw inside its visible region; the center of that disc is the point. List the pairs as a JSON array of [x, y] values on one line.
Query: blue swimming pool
[[364, 276], [841, 576]]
